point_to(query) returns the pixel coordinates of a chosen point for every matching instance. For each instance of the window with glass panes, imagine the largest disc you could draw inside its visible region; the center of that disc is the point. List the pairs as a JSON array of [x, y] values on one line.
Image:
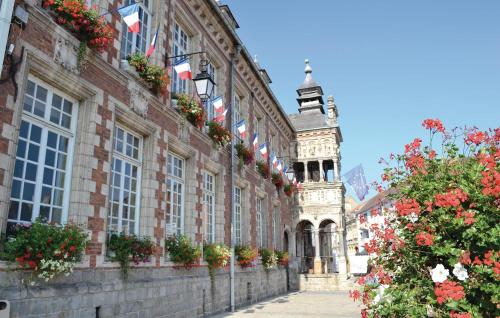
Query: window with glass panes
[[180, 47], [175, 195], [237, 215], [258, 226], [137, 42], [209, 201], [125, 182], [212, 70], [41, 179]]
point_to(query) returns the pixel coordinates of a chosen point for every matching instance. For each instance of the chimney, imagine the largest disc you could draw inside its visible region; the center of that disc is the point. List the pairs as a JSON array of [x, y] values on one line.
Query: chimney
[[228, 15], [332, 111]]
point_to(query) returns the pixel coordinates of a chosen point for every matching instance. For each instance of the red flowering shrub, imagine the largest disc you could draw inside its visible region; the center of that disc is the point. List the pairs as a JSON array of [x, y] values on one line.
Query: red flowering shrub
[[246, 255], [155, 76], [46, 249], [277, 180], [438, 254], [263, 169], [191, 110], [289, 189], [85, 23], [218, 133], [245, 154]]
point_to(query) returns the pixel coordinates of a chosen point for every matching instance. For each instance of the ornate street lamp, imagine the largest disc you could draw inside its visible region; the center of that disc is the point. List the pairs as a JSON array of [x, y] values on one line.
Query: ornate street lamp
[[204, 82], [290, 174]]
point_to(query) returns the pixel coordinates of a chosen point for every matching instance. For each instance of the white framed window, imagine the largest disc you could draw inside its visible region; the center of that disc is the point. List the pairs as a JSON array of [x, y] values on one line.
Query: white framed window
[[180, 47], [42, 170], [259, 227], [237, 214], [209, 202], [137, 42], [212, 70], [126, 171], [175, 195]]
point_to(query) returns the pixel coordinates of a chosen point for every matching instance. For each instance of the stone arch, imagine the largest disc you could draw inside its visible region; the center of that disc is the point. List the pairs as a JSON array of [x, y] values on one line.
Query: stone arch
[[329, 245], [305, 249]]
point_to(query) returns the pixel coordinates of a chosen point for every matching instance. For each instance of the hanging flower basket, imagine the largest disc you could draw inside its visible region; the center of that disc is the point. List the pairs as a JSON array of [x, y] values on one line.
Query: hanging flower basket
[[218, 133], [289, 189], [263, 169], [153, 75], [245, 255], [245, 154], [192, 110], [217, 256], [277, 180], [48, 250]]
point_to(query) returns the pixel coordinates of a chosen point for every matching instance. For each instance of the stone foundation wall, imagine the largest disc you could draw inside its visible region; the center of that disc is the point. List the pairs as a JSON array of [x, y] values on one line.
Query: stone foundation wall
[[148, 292], [324, 282]]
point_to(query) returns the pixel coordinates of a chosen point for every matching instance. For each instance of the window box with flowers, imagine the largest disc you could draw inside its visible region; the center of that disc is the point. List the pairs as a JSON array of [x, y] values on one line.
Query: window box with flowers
[[277, 180], [268, 258], [218, 133], [263, 169], [245, 255], [48, 250], [192, 110], [282, 257], [125, 249], [155, 77], [182, 251], [245, 154], [86, 24]]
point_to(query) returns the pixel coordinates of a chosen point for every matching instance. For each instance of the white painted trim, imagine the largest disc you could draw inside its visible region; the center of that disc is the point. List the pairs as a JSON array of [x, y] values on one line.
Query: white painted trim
[[6, 8]]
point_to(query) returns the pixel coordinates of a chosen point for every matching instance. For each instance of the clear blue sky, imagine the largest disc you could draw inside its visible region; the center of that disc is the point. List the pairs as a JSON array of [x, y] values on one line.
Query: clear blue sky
[[388, 63]]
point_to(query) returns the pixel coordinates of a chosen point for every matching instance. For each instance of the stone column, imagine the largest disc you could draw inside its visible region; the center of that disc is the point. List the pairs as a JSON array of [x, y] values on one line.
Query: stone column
[[317, 258], [336, 169], [306, 171], [321, 172]]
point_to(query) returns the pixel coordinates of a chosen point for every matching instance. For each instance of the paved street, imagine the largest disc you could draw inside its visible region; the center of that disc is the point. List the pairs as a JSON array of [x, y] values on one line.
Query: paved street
[[303, 304]]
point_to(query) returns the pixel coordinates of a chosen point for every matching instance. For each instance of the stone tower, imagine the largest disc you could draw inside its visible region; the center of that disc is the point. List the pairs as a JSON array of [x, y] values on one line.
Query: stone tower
[[319, 222]]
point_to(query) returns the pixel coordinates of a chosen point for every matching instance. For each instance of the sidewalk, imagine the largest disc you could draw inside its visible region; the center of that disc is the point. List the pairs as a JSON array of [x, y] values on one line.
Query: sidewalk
[[302, 304]]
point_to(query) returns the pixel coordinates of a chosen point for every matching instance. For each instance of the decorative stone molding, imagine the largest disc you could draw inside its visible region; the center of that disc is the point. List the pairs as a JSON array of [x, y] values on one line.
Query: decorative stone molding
[[183, 130], [66, 54], [139, 99]]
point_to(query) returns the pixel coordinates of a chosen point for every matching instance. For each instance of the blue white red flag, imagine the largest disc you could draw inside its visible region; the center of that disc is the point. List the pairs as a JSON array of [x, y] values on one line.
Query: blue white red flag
[[242, 128], [274, 160], [183, 69], [130, 15], [263, 151], [218, 105], [255, 141], [153, 44], [356, 179], [221, 117]]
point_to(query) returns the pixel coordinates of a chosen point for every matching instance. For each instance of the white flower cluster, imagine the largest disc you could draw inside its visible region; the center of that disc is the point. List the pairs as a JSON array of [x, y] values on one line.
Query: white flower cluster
[[48, 269], [225, 254], [273, 261], [440, 273]]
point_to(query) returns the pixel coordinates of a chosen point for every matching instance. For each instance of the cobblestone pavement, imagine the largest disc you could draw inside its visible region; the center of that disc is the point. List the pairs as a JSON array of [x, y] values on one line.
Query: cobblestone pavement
[[302, 304]]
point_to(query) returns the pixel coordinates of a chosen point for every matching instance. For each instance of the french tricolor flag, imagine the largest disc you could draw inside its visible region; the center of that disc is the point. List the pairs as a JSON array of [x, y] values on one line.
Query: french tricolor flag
[[255, 141], [130, 15], [263, 151], [221, 117], [218, 105], [294, 181], [279, 167], [183, 69], [153, 45], [242, 128], [274, 160]]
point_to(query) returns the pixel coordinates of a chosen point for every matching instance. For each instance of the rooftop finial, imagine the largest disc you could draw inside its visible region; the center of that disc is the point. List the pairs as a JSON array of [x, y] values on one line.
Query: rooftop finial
[[308, 68], [255, 60]]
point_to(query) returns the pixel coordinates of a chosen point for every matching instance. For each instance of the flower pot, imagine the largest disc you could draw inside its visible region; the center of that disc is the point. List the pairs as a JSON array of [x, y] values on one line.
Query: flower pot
[[124, 65], [173, 102]]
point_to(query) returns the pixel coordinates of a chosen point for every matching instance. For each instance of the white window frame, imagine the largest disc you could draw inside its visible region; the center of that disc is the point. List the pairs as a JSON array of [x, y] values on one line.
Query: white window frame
[[46, 125], [6, 8], [209, 198], [259, 224], [179, 47], [177, 227], [134, 162], [143, 10], [237, 214]]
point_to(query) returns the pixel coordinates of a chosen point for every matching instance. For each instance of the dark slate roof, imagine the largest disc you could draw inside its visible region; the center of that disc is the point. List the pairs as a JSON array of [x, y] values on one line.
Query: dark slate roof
[[308, 120]]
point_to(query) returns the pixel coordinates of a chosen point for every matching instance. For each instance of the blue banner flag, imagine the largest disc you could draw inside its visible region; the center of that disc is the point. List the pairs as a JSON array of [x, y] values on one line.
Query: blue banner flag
[[356, 179]]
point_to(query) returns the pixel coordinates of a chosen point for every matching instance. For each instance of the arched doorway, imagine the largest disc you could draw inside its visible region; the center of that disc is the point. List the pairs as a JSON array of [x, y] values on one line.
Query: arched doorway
[[329, 246], [286, 249], [305, 246]]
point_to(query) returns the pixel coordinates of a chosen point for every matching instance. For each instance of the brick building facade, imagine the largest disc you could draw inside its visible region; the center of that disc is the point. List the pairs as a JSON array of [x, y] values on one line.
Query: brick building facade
[[76, 137]]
